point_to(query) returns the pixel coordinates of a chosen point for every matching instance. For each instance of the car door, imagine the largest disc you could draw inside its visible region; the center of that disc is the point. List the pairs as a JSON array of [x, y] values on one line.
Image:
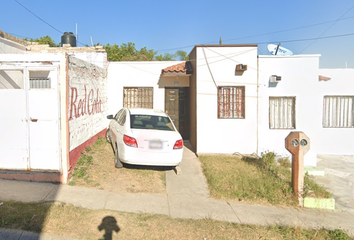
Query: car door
[[121, 130], [113, 126]]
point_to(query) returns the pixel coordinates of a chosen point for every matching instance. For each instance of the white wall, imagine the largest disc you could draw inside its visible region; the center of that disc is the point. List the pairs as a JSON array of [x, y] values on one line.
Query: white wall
[[10, 47], [299, 78], [225, 135], [87, 101], [135, 74], [336, 140], [96, 58]]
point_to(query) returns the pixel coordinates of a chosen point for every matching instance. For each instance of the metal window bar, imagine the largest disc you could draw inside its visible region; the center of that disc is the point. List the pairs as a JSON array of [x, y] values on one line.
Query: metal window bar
[[281, 112], [338, 112], [231, 101], [40, 83], [138, 97]]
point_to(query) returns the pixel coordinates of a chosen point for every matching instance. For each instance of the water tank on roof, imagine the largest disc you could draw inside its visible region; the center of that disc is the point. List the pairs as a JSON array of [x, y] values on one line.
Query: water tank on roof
[[68, 38]]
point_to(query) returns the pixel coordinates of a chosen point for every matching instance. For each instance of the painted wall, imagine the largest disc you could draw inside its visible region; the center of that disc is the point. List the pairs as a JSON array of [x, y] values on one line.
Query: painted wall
[[87, 107], [216, 66], [138, 74], [299, 78]]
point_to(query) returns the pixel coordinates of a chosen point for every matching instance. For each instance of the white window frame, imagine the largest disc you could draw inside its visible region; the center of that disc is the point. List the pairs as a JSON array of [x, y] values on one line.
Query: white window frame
[[338, 112], [282, 112]]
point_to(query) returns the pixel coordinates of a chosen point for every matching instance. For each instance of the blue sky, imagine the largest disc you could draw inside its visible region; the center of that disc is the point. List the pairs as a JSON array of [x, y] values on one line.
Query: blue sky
[[167, 26]]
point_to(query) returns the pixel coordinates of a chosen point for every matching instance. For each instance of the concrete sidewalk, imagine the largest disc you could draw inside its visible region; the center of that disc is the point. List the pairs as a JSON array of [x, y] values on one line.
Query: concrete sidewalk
[[187, 197]]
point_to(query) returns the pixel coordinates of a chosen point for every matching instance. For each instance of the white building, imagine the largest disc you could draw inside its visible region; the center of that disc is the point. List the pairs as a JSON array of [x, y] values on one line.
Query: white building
[[234, 101], [53, 106]]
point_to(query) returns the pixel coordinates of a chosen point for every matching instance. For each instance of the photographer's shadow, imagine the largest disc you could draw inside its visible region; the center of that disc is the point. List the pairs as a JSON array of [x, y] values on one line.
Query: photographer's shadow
[[109, 225]]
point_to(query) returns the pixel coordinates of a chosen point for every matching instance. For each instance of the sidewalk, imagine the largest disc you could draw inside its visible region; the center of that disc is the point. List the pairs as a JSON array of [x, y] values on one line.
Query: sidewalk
[[187, 197]]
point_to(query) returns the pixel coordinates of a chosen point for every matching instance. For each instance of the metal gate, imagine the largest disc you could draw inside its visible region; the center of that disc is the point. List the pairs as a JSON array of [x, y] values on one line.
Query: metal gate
[[29, 120]]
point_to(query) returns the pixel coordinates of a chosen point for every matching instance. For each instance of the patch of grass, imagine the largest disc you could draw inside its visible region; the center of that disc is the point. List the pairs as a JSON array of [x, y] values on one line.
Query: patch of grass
[[312, 189], [258, 180], [95, 168], [62, 220]]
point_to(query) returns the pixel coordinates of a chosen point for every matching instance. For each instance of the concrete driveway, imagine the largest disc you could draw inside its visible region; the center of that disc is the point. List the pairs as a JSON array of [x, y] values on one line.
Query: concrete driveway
[[338, 179]]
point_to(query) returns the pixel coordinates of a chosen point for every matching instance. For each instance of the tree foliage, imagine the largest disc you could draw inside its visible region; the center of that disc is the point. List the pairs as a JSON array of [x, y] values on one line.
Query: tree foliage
[[179, 56], [125, 51], [128, 52], [43, 40]]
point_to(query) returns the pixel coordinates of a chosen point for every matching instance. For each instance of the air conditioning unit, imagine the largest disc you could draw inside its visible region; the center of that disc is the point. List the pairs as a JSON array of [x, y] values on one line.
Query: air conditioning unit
[[274, 78], [241, 67]]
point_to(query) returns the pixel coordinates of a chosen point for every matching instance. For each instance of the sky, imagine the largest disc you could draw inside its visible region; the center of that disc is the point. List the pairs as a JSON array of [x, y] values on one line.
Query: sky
[[324, 27]]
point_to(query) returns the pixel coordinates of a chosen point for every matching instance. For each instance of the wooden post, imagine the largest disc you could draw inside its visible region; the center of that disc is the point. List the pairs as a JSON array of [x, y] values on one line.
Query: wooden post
[[298, 144]]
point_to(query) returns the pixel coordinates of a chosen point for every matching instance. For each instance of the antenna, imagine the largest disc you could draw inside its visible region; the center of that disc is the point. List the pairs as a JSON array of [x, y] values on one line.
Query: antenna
[[276, 51]]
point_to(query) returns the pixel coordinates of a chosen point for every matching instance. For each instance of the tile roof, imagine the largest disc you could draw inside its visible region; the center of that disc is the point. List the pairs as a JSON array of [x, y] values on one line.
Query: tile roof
[[183, 67]]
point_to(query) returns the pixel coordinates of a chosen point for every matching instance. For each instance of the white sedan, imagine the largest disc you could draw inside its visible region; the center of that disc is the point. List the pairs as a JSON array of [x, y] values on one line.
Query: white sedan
[[144, 137]]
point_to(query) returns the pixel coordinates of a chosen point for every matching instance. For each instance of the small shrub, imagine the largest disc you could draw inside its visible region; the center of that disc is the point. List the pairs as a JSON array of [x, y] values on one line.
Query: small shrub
[[284, 162], [338, 234]]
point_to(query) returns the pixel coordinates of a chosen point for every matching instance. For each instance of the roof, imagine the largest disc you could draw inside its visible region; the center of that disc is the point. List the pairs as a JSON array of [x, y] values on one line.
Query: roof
[[183, 67]]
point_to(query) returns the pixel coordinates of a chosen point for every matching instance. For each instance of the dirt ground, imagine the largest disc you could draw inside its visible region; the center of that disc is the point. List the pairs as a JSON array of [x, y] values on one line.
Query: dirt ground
[[102, 174]]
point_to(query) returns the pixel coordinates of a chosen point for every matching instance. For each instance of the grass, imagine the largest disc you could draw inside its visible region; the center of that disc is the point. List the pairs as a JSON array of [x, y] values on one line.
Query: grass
[[62, 220], [95, 168], [255, 180]]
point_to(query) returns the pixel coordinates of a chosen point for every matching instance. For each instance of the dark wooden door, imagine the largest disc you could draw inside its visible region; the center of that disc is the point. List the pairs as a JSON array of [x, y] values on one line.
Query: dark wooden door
[[176, 105]]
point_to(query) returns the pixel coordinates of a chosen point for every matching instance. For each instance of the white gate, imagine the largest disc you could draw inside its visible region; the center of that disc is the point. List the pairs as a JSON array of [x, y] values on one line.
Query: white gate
[[29, 120]]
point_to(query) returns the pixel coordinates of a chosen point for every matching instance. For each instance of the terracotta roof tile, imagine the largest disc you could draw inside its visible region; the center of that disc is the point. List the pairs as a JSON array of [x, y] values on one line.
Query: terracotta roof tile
[[183, 67]]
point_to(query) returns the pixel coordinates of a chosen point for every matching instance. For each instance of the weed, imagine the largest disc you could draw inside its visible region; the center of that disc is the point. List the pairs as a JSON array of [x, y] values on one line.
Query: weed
[[257, 180], [82, 165]]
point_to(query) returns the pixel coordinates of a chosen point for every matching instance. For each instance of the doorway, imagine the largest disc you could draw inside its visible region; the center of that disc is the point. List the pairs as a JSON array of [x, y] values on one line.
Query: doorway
[[177, 106]]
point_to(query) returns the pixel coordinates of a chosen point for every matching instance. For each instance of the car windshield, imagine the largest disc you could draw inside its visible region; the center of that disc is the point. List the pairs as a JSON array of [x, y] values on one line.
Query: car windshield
[[151, 122]]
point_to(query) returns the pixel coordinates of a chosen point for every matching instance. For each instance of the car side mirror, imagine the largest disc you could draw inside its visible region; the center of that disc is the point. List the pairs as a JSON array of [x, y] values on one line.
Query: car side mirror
[[110, 116]]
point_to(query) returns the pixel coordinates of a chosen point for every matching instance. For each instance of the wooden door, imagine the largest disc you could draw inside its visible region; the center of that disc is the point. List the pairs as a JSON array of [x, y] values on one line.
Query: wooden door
[[172, 105], [176, 105]]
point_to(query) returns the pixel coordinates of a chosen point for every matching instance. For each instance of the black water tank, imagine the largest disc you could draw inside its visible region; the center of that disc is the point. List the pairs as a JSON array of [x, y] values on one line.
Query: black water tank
[[68, 38]]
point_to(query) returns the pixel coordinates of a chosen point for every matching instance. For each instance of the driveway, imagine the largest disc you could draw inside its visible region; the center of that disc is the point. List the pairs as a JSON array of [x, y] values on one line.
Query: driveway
[[338, 179]]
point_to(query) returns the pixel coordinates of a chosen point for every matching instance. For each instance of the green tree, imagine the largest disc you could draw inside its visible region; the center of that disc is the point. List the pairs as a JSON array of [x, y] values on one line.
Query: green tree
[[43, 40], [128, 52], [179, 56], [165, 57]]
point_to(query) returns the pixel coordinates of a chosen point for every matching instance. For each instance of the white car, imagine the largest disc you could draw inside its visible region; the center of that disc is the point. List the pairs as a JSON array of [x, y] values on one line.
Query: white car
[[144, 137]]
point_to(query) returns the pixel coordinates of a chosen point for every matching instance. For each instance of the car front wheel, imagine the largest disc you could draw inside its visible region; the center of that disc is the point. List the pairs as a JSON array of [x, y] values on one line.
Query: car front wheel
[[117, 162]]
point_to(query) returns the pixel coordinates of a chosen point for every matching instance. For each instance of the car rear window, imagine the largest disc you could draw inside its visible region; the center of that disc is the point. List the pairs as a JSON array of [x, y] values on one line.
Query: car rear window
[[150, 122]]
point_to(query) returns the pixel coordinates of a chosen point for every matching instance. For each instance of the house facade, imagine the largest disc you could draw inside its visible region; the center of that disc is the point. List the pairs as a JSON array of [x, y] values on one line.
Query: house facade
[[238, 102]]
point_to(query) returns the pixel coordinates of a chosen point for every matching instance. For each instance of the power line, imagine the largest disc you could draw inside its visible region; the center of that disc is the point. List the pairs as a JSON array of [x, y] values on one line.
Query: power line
[[44, 21], [38, 16], [328, 28], [269, 33]]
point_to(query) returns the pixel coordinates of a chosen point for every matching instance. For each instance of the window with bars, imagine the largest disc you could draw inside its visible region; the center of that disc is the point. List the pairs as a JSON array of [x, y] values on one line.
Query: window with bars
[[282, 112], [231, 102], [40, 83], [138, 97], [338, 112]]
